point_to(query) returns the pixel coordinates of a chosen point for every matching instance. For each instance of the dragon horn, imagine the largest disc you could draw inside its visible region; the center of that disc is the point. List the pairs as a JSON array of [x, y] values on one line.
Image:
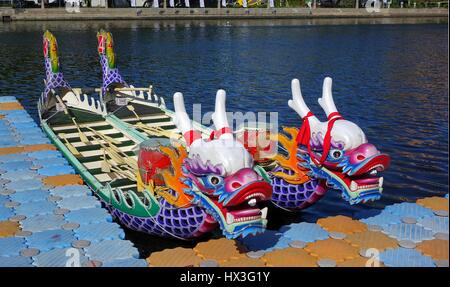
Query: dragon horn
[[298, 104], [111, 75], [54, 78], [220, 116], [326, 101], [183, 122]]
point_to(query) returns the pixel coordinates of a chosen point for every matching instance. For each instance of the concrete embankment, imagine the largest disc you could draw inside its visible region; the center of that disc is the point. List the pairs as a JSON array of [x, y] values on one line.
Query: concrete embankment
[[8, 14]]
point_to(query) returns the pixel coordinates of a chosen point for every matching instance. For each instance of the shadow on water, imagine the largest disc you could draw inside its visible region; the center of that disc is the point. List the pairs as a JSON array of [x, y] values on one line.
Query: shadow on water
[[147, 244], [391, 79]]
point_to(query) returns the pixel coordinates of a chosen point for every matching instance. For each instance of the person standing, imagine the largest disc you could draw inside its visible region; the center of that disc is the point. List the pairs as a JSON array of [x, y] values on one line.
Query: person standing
[[310, 5]]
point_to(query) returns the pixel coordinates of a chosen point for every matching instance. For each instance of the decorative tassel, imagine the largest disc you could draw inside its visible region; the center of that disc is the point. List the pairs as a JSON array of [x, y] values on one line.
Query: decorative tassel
[[332, 118], [304, 135]]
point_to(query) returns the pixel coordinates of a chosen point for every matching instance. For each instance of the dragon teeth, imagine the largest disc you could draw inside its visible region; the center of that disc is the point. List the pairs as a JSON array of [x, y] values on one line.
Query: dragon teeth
[[230, 218], [264, 213], [353, 186], [258, 194]]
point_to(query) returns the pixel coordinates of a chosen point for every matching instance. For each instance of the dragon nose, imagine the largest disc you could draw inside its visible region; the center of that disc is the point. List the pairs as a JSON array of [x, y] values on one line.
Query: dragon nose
[[236, 184], [240, 178], [362, 152]]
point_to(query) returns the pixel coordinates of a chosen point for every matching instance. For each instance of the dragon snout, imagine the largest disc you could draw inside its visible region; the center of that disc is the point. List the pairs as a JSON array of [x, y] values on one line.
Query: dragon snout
[[367, 158], [362, 153], [246, 185], [241, 178]]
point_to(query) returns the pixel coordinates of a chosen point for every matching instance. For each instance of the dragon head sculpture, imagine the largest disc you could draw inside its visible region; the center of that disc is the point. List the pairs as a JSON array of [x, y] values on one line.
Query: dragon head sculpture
[[54, 78], [50, 49], [337, 151], [220, 176], [111, 75]]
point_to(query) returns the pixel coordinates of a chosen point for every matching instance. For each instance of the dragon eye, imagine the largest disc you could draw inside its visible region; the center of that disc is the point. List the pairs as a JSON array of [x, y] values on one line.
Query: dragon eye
[[337, 154], [214, 180]]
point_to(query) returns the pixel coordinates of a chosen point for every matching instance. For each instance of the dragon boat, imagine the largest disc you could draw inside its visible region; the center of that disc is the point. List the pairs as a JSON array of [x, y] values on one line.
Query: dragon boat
[[318, 156], [160, 173], [142, 181]]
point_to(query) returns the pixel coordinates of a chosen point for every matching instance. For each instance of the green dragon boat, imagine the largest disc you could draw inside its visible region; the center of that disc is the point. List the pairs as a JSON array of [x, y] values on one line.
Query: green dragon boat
[[158, 172]]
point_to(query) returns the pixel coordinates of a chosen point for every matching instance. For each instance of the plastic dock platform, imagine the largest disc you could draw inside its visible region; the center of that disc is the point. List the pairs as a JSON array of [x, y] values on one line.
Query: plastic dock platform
[[401, 235], [49, 218]]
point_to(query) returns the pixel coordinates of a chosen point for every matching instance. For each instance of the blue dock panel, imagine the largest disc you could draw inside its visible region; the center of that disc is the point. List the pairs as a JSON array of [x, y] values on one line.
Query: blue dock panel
[[109, 250], [402, 257], [408, 209], [15, 261], [11, 246], [88, 216], [97, 232], [78, 202], [307, 232], [31, 209], [71, 191], [50, 239], [33, 195], [60, 257], [43, 222], [411, 232]]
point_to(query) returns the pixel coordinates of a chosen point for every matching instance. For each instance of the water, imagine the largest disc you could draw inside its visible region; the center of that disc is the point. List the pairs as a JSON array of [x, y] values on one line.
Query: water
[[389, 78]]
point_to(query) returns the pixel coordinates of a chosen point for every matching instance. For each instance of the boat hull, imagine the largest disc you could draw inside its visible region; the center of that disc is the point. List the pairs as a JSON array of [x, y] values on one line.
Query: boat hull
[[181, 223]]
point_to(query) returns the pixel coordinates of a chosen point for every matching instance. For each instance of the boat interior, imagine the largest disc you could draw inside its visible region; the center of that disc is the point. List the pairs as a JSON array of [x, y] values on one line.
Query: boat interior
[[107, 153], [144, 116]]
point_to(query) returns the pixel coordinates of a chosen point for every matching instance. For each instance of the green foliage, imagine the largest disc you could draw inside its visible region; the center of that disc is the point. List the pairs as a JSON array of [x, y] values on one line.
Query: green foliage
[[293, 3], [347, 4]]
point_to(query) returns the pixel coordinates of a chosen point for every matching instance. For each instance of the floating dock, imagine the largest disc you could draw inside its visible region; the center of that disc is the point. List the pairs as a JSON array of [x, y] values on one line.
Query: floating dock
[[402, 235], [49, 218]]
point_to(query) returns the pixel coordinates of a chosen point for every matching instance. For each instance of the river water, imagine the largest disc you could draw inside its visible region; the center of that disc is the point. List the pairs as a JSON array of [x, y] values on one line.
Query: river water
[[389, 76]]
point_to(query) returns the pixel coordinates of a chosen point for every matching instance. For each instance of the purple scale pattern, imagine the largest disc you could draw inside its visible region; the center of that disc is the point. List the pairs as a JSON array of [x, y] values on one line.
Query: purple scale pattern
[[170, 221], [110, 76], [53, 80], [292, 196]]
